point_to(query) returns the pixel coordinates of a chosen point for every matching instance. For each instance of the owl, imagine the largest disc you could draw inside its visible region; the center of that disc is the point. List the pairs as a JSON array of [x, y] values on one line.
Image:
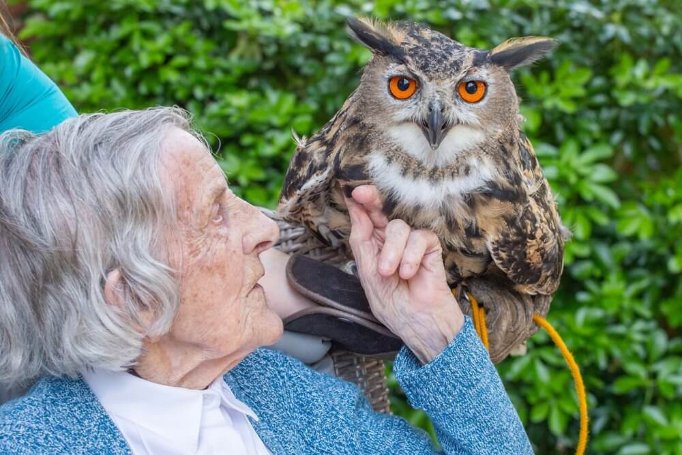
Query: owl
[[435, 125]]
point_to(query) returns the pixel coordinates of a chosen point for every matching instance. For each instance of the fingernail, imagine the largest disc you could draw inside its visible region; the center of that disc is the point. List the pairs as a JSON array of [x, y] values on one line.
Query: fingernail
[[406, 269]]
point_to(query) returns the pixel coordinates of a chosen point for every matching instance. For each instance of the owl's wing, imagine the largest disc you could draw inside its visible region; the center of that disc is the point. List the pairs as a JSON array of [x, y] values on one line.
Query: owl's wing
[[323, 169], [307, 184], [528, 243]]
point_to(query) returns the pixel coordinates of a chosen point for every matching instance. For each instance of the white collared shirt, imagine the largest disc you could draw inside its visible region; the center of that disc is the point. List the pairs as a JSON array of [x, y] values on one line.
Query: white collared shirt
[[159, 419]]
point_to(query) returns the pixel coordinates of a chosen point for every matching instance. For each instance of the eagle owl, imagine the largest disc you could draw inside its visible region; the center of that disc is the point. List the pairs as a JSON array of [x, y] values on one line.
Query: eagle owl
[[435, 126]]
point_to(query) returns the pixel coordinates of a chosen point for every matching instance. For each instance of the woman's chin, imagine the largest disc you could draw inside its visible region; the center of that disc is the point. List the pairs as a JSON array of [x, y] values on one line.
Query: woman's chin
[[266, 326], [273, 328], [268, 329]]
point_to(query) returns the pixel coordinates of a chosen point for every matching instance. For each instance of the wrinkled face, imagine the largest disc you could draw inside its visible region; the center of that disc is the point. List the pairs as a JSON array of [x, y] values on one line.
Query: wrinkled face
[[222, 309]]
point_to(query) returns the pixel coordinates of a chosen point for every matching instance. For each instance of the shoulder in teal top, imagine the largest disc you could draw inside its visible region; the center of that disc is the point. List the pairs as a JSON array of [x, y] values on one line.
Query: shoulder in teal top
[[28, 98]]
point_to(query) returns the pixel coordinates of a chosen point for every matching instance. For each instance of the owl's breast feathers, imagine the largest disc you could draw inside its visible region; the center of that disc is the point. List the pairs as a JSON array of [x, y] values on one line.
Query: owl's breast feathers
[[491, 208], [492, 215]]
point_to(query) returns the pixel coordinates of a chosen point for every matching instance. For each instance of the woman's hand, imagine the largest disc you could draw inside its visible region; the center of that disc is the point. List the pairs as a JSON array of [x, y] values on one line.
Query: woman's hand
[[402, 273]]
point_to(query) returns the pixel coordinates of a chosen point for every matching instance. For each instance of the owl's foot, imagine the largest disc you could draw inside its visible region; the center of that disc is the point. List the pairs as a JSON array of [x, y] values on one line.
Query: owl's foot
[[333, 238], [508, 314]]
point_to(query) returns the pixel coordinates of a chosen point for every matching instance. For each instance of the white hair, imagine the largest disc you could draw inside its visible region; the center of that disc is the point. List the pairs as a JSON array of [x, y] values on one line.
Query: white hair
[[76, 203]]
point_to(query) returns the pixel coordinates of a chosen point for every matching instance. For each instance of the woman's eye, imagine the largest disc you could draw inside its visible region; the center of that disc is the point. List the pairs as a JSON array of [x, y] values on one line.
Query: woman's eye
[[218, 214]]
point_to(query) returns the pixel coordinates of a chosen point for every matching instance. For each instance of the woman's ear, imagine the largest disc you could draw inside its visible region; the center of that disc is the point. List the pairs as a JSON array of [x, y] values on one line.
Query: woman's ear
[[523, 51], [114, 292], [113, 288]]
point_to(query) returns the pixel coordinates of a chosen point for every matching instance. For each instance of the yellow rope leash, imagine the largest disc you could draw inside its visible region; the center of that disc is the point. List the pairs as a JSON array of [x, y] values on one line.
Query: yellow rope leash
[[575, 372], [478, 316]]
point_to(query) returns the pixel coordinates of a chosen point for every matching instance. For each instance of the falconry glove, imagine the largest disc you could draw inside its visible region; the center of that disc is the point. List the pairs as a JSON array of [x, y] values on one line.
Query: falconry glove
[[342, 315]]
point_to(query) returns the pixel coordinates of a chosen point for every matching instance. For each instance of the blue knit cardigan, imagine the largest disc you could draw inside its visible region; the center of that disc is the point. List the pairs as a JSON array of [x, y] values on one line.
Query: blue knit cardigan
[[302, 411]]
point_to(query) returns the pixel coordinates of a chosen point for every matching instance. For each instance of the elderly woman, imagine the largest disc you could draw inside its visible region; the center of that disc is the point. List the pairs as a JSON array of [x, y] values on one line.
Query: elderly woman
[[129, 284]]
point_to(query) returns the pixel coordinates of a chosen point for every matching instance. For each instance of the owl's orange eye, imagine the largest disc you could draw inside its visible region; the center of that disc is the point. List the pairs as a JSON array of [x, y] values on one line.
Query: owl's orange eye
[[402, 87], [471, 91]]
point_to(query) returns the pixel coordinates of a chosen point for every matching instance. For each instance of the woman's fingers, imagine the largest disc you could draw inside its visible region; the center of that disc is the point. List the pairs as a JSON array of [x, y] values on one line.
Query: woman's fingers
[[432, 259], [422, 247], [413, 255], [360, 240], [396, 235], [361, 226], [402, 249], [368, 196]]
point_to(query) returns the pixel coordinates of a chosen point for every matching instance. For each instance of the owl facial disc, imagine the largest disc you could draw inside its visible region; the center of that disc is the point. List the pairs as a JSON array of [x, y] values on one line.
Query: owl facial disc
[[435, 127]]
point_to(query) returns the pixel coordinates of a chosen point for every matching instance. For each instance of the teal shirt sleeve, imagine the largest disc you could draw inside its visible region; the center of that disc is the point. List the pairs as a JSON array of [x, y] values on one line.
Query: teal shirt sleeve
[[28, 98]]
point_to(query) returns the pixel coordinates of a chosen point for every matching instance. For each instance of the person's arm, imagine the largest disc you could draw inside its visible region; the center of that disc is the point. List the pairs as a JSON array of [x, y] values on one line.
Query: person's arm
[[462, 393], [401, 270], [28, 98], [444, 369], [303, 411], [281, 297]]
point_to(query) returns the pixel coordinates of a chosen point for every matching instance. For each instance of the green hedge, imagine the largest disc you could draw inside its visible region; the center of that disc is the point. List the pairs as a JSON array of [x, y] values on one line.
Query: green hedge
[[605, 114]]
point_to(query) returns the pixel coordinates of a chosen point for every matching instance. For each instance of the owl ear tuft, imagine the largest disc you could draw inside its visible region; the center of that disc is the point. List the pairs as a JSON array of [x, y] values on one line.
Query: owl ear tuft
[[523, 51], [375, 36]]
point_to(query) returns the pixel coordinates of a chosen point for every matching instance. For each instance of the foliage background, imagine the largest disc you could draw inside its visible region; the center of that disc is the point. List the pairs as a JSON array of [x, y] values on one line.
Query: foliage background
[[605, 114]]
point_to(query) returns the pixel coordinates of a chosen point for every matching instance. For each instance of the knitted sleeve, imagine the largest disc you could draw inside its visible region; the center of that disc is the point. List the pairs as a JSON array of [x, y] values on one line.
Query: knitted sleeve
[[302, 411], [28, 98], [463, 394]]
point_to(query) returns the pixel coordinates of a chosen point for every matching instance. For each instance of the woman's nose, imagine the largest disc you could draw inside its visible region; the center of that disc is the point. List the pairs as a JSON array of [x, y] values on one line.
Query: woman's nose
[[261, 233]]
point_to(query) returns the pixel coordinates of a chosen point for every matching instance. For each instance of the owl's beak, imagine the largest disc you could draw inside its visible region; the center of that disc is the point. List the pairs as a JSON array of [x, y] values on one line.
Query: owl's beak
[[435, 128]]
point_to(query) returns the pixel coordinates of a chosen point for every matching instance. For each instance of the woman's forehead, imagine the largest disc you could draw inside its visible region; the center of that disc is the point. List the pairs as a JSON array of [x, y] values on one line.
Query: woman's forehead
[[190, 167]]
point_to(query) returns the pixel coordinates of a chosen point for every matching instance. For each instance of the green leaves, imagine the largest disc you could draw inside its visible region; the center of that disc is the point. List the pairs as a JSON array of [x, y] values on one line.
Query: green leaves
[[635, 220], [560, 91], [604, 113]]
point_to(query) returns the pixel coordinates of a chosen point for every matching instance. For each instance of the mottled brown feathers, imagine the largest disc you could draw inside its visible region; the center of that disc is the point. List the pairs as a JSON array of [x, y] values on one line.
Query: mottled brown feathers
[[481, 190], [517, 52], [379, 38]]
